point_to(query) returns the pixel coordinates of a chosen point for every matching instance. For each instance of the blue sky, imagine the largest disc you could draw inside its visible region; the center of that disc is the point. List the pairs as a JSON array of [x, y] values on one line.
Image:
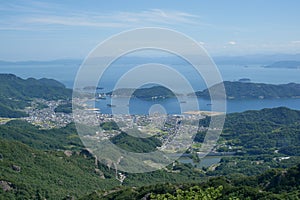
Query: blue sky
[[45, 30]]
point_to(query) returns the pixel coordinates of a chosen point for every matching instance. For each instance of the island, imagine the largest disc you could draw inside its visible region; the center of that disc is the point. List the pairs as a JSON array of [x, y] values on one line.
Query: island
[[245, 90], [289, 64], [245, 80], [148, 94]]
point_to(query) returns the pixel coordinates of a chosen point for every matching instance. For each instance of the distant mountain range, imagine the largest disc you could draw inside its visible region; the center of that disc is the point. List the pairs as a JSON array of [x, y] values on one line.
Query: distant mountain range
[[36, 62], [262, 59]]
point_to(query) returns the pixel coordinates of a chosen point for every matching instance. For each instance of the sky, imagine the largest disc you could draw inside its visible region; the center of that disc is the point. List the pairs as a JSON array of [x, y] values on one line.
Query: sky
[[70, 29]]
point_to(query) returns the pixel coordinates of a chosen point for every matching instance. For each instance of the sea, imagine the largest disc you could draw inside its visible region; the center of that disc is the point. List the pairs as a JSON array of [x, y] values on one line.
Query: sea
[[66, 73]]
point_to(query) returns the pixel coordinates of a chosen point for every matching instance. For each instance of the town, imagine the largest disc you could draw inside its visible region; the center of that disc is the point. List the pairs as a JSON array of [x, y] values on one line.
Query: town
[[175, 131]]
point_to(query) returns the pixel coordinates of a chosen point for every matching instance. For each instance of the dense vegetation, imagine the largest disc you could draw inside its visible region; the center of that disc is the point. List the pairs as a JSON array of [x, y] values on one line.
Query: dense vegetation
[[149, 93], [53, 164], [155, 92], [6, 111], [36, 174], [109, 126], [62, 138], [262, 132], [136, 144], [242, 90], [263, 139], [273, 184], [131, 143], [17, 93], [64, 108], [241, 129], [49, 162]]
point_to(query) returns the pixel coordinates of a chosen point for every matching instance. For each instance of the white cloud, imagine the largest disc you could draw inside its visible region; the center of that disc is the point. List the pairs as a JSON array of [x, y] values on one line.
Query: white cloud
[[71, 21], [33, 18], [231, 43], [158, 16], [295, 42]]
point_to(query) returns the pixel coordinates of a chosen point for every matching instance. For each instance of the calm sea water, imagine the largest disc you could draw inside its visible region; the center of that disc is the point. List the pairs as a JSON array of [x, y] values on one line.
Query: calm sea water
[[66, 74], [172, 106]]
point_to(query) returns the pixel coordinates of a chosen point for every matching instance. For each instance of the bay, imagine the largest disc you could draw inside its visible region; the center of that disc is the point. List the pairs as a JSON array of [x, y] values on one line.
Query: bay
[[172, 106], [66, 73]]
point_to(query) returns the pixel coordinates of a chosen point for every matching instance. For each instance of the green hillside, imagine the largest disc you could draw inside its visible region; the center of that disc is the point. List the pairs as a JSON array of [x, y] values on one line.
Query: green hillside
[[52, 164], [62, 138], [273, 184], [153, 93], [64, 108], [264, 131], [261, 140], [241, 90], [16, 93], [36, 174], [149, 93], [136, 144]]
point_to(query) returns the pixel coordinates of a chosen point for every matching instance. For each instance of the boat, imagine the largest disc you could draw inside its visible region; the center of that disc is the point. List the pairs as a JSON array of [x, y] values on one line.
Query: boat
[[101, 96]]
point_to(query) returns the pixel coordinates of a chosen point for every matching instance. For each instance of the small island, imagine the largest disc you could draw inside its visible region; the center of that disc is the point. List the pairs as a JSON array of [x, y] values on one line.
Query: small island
[[148, 94], [245, 80], [289, 64]]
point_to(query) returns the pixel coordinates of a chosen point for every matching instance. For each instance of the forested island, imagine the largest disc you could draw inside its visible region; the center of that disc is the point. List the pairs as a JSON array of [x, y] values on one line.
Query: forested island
[[243, 90], [148, 93]]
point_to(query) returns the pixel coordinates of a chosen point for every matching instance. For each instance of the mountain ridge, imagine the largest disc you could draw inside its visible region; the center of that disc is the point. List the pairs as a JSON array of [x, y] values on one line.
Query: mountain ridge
[[245, 90], [17, 93]]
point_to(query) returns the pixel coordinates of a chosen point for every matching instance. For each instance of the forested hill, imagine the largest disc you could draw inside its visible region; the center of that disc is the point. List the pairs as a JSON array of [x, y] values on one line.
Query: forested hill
[[149, 93], [263, 132], [16, 93], [273, 184], [15, 87], [241, 90]]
